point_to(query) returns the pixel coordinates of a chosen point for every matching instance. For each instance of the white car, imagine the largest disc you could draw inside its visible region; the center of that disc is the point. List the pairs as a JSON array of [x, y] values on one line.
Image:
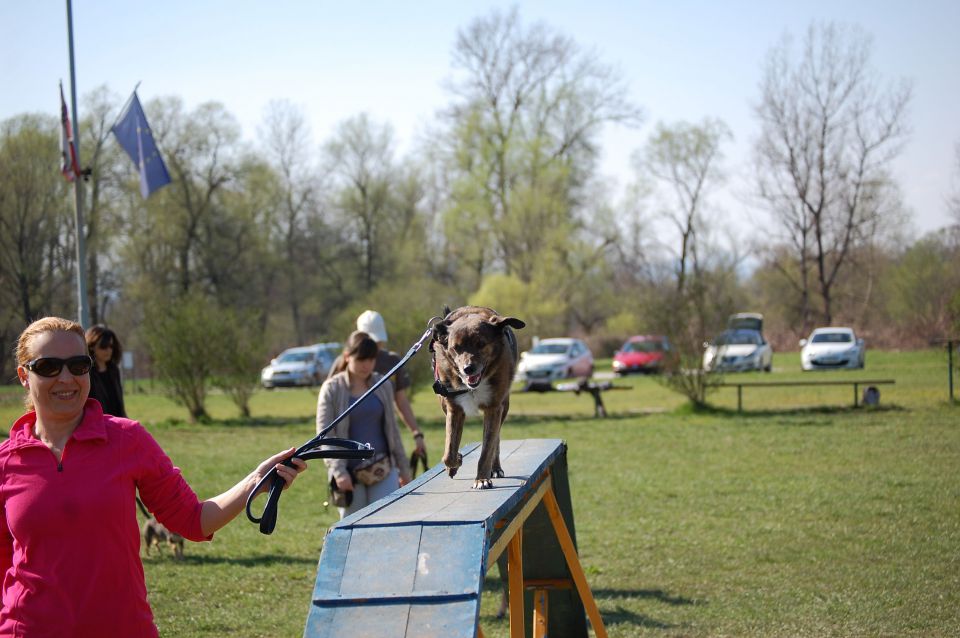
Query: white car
[[738, 351], [553, 359], [306, 365], [828, 348]]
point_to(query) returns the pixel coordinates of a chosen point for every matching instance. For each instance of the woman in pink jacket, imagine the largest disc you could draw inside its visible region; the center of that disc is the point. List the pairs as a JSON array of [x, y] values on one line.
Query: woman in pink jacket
[[69, 539]]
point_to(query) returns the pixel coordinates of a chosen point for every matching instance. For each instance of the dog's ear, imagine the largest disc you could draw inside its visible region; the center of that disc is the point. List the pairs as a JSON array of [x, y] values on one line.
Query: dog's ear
[[440, 332], [503, 322]]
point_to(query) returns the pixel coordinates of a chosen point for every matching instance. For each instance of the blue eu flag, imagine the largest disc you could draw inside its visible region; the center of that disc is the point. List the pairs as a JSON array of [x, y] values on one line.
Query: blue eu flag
[[133, 134]]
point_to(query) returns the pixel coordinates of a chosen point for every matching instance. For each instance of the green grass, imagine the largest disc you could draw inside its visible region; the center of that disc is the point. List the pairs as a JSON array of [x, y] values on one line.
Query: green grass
[[799, 517]]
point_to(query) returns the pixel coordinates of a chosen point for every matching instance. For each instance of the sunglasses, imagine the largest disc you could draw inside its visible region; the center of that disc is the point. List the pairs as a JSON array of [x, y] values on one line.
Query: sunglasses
[[51, 366]]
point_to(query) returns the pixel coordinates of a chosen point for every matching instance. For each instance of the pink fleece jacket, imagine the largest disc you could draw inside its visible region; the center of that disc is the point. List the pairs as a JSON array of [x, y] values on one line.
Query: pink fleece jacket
[[69, 538]]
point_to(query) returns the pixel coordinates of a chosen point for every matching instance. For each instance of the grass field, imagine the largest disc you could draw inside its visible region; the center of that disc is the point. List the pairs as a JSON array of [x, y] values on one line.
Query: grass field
[[800, 517]]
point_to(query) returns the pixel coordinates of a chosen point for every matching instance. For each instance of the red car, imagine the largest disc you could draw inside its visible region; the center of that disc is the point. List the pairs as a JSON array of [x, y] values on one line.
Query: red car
[[642, 353]]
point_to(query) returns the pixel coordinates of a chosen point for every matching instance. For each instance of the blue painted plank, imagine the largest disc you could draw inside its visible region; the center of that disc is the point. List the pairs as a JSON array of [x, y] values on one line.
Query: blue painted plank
[[367, 621], [451, 559], [454, 620], [381, 562]]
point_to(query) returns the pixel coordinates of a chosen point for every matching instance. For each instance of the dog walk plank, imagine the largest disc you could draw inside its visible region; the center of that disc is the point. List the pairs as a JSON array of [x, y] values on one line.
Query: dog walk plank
[[413, 563], [436, 498]]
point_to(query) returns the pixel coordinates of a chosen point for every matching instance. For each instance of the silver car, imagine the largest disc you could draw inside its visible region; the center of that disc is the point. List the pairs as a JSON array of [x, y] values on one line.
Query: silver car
[[301, 366]]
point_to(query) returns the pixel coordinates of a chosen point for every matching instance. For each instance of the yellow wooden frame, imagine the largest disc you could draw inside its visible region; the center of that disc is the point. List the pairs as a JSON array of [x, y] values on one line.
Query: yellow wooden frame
[[511, 541]]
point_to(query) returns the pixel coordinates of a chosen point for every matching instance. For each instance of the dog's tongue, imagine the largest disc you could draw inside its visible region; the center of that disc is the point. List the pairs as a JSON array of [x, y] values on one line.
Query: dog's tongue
[[473, 379]]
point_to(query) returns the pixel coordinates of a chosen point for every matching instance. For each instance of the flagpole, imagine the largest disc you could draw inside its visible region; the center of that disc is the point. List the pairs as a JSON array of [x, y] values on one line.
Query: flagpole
[[83, 311]]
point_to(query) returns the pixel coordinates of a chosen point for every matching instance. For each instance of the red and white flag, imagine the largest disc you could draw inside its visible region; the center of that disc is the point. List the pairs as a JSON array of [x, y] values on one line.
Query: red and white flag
[[68, 151]]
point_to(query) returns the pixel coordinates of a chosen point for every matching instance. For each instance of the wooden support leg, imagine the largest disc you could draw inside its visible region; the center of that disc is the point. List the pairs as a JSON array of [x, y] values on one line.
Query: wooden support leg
[[573, 564], [515, 582], [540, 600]]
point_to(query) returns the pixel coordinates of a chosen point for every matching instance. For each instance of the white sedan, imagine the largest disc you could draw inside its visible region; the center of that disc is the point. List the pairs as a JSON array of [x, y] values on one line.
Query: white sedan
[[738, 351], [829, 348], [553, 359]]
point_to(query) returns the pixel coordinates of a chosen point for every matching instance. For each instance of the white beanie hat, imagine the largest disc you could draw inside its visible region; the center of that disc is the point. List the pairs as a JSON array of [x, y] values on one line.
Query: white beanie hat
[[371, 322]]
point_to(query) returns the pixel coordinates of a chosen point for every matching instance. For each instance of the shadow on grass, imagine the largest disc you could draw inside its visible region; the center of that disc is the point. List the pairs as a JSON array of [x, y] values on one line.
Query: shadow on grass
[[241, 422], [825, 410], [615, 613], [658, 595], [263, 560]]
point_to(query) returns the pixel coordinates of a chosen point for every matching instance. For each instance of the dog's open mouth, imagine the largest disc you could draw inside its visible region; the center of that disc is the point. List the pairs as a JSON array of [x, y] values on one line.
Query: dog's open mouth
[[473, 380]]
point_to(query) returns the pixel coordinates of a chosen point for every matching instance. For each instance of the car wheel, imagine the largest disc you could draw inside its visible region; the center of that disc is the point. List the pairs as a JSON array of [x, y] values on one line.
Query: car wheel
[[769, 368]]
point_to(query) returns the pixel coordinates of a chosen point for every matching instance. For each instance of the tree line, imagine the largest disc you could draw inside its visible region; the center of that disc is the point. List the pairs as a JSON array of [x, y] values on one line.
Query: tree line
[[258, 246]]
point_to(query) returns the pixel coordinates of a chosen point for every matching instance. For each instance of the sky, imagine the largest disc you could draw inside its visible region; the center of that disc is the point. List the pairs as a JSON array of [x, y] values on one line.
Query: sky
[[682, 61]]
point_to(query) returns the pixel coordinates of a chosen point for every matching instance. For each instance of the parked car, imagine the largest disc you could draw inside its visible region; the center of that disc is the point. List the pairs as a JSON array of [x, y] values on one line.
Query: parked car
[[738, 350], [301, 366], [641, 353], [552, 359], [829, 348]]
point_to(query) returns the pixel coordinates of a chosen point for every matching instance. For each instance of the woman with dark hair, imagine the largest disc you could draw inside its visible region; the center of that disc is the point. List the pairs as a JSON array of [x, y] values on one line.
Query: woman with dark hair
[[106, 385], [373, 422]]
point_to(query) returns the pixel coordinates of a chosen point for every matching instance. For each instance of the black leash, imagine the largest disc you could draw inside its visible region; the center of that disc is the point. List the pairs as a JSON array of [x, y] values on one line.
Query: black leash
[[334, 448]]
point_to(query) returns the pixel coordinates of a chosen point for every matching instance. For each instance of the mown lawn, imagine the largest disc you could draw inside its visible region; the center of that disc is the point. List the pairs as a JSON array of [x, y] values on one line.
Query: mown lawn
[[799, 517]]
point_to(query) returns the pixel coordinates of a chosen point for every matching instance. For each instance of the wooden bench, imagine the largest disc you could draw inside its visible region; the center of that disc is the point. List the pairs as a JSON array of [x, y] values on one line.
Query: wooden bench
[[856, 383], [413, 563], [583, 385]]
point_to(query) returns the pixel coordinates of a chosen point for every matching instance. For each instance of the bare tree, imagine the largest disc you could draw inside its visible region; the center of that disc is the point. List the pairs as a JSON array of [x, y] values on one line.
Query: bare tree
[[829, 133], [530, 105], [36, 228], [360, 157], [953, 203], [200, 150], [685, 159], [287, 141]]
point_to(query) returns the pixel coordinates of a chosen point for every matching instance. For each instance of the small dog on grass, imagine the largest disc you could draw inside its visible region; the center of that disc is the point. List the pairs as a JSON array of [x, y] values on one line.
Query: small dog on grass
[[474, 359], [154, 533]]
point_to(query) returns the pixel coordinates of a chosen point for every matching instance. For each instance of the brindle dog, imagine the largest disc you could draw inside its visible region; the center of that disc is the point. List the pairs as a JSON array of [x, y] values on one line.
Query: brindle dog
[[154, 533], [475, 357]]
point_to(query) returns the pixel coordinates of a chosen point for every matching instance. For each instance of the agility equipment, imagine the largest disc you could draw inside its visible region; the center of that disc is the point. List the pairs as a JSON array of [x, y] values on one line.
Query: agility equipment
[[413, 563]]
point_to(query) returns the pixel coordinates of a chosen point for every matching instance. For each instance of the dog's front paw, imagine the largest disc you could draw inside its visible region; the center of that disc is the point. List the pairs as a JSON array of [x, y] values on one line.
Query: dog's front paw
[[482, 484], [453, 464], [497, 470]]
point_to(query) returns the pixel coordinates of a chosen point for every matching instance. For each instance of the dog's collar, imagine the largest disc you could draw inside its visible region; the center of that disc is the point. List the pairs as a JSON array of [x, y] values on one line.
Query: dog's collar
[[438, 387], [444, 391]]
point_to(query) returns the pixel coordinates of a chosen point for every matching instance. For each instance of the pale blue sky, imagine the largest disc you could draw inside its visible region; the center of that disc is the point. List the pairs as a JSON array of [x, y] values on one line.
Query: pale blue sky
[[682, 60]]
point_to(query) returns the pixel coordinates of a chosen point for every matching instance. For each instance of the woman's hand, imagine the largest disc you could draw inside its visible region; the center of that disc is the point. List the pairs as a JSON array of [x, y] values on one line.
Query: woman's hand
[[220, 510], [287, 473]]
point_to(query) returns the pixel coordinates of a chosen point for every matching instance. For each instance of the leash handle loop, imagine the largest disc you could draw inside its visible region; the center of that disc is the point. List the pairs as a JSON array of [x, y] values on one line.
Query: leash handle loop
[[334, 448]]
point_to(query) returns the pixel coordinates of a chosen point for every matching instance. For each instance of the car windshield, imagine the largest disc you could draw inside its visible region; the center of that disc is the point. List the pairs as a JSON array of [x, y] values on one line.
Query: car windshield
[[295, 357], [832, 337], [642, 346], [550, 348], [738, 338]]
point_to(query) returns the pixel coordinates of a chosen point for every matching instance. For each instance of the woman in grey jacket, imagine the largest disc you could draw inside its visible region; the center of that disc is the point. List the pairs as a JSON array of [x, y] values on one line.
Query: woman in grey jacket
[[372, 422]]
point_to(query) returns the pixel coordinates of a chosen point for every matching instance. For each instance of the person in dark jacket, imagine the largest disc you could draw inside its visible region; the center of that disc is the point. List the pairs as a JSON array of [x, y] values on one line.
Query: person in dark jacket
[[105, 383]]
